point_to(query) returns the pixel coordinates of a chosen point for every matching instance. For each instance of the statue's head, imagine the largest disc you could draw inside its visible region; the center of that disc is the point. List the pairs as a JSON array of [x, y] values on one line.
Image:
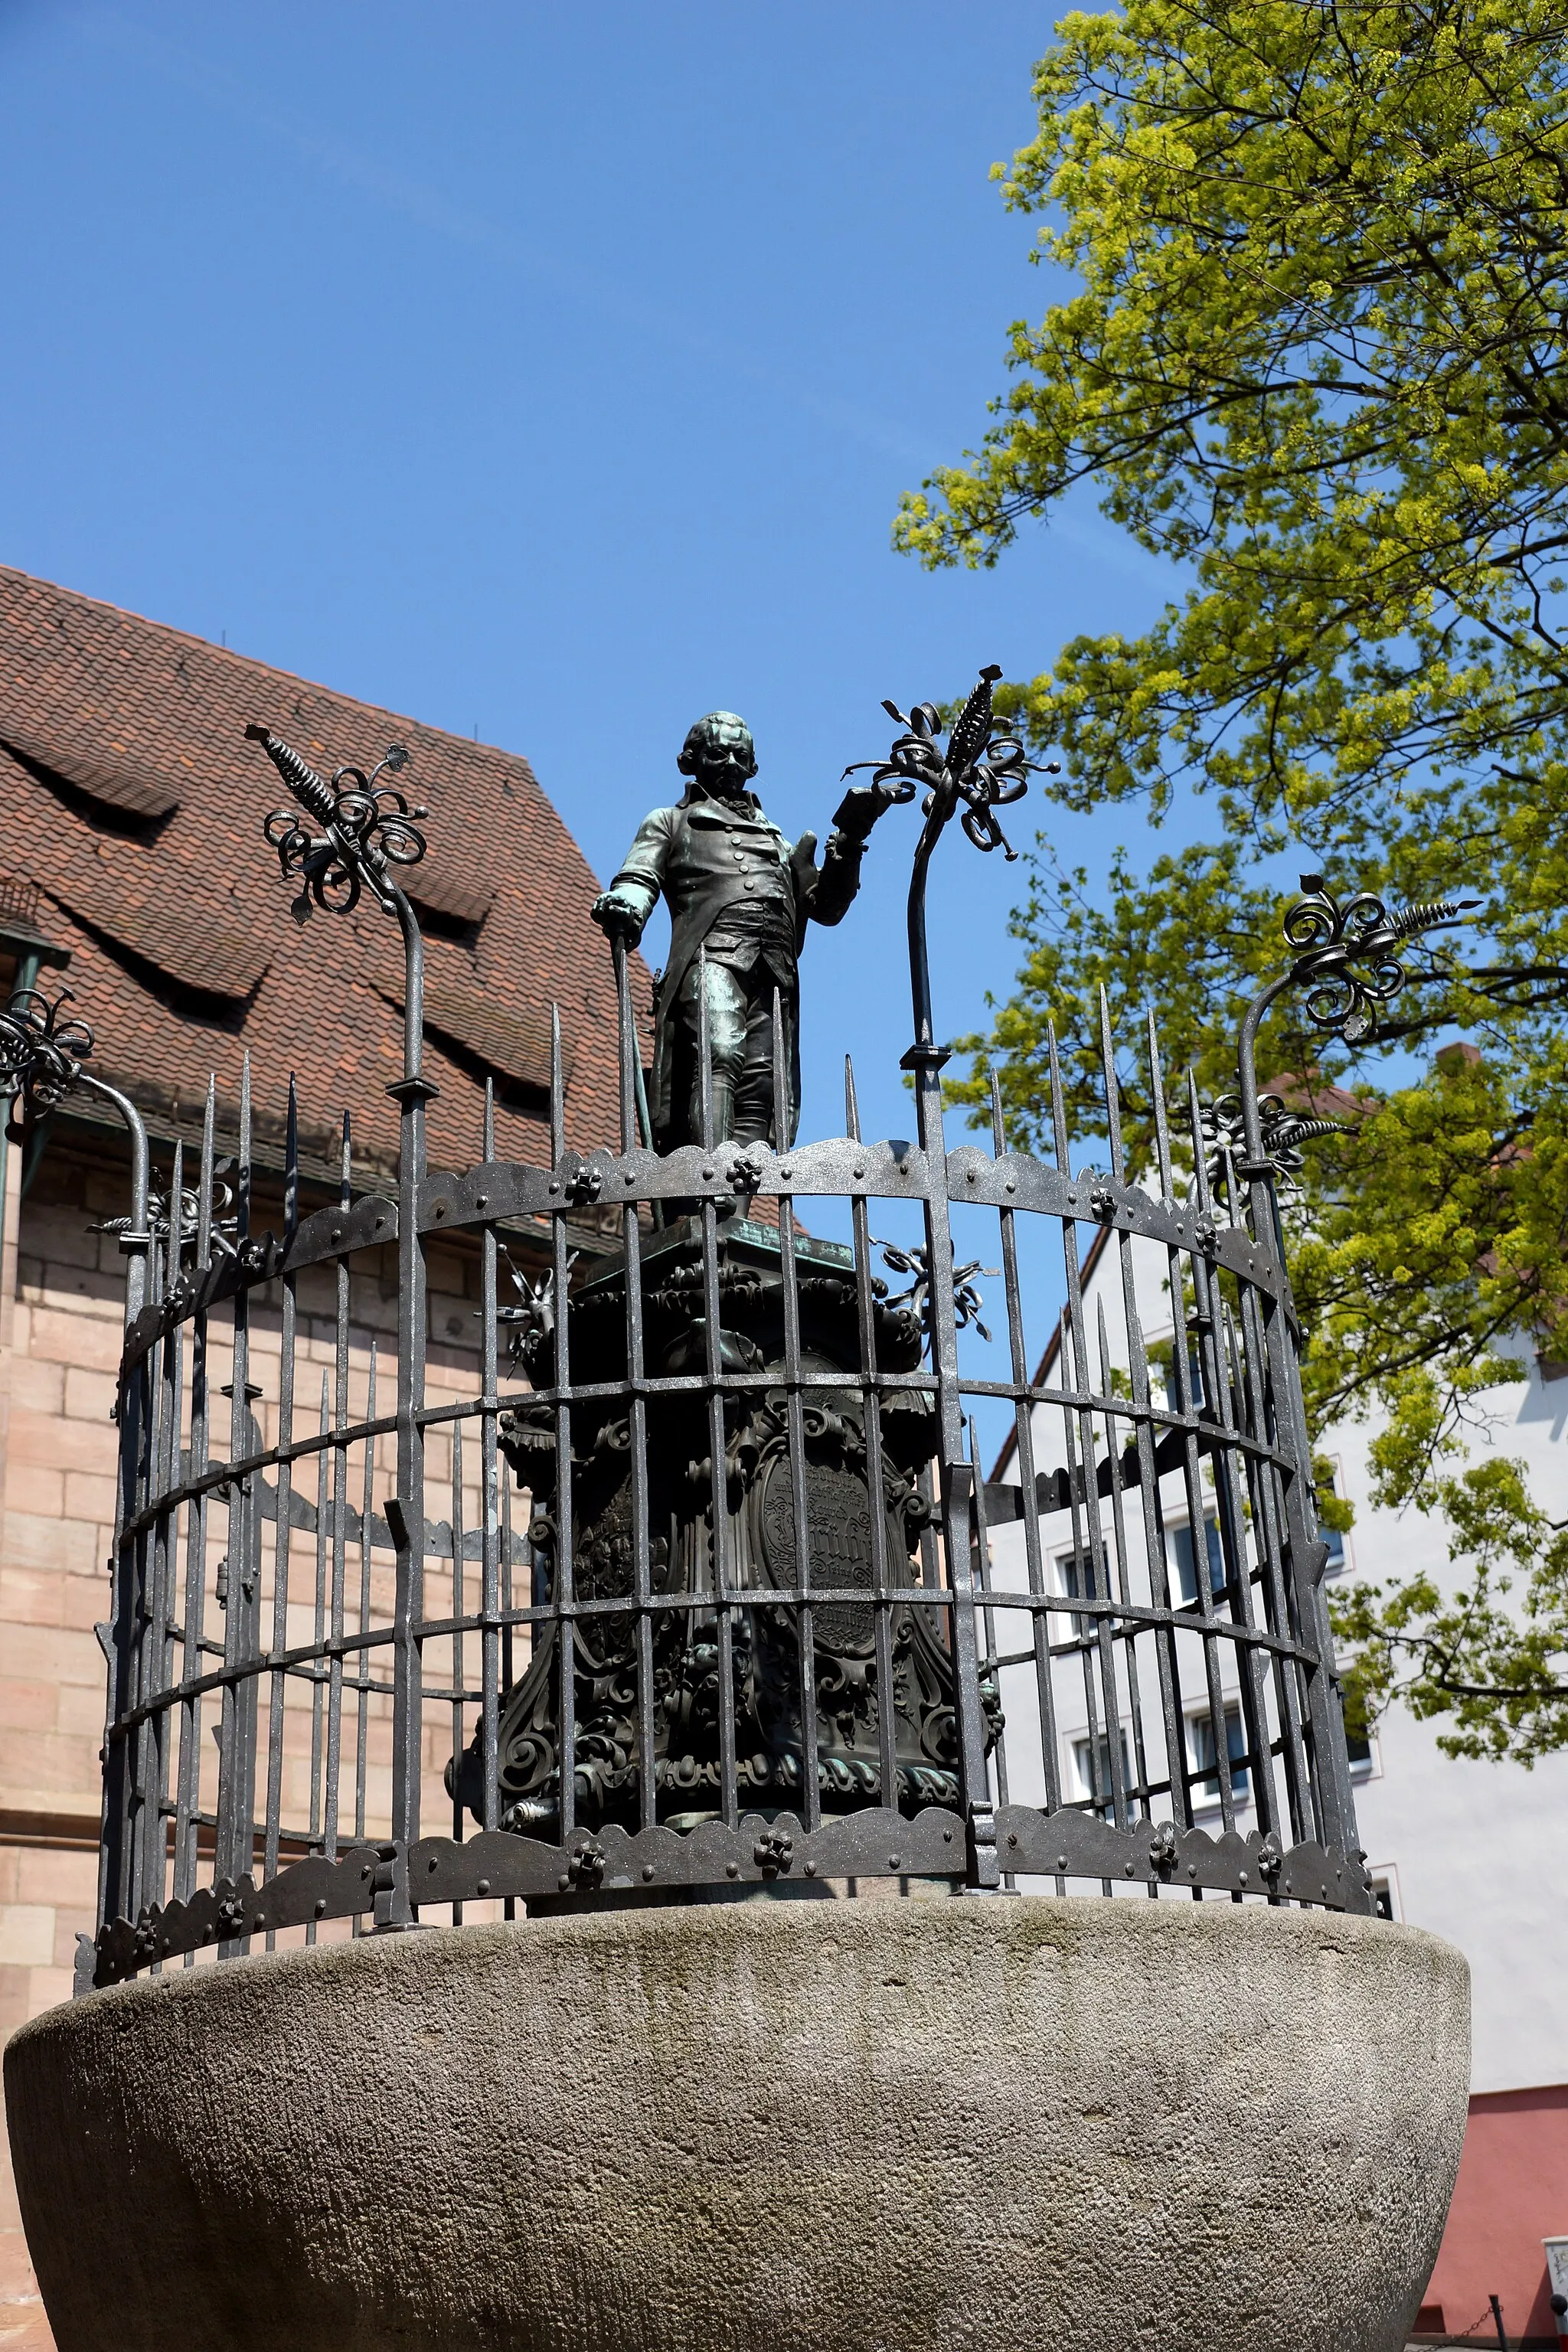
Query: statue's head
[[717, 752]]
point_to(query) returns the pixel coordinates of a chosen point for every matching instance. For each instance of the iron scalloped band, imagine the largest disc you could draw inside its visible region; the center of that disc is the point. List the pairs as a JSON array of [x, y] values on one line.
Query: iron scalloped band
[[498, 1865], [497, 1190]]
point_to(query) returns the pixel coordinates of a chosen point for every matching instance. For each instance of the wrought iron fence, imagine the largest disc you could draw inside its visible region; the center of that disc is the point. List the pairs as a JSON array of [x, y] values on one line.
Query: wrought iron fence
[[721, 1597]]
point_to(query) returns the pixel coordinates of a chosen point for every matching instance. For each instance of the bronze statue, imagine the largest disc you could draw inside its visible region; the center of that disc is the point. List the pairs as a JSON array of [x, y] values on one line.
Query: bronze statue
[[736, 889]]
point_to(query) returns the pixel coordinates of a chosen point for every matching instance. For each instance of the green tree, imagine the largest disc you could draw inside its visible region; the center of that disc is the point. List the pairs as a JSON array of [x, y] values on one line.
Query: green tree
[[1315, 352]]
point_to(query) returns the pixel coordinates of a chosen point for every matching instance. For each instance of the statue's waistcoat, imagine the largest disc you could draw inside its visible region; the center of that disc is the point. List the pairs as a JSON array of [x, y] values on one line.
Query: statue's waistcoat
[[721, 858]]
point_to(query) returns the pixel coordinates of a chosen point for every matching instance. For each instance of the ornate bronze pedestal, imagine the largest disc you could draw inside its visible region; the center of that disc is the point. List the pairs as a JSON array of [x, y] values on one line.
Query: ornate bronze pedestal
[[857, 1522]]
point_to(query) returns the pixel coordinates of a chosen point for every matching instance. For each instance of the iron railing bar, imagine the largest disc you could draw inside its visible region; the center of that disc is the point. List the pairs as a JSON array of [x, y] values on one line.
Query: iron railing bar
[[361, 1713], [957, 1475], [876, 1490], [1079, 1332], [998, 1758], [507, 1613], [1118, 1517], [1227, 1499], [283, 1528], [1265, 1481], [1080, 1442], [795, 1443], [340, 1460], [460, 1698], [490, 1472], [1084, 1399], [1247, 1502], [1088, 1605], [1123, 1579], [117, 1819], [729, 1792], [146, 1576], [1173, 1711], [189, 1786], [1088, 1643], [165, 1549], [1183, 1360], [319, 1648], [1024, 1437], [236, 1747], [630, 1063], [411, 1093], [154, 1555], [692, 1603], [565, 1563]]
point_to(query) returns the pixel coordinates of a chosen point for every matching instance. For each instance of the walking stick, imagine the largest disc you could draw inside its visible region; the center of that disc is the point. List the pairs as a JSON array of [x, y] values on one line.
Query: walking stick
[[629, 1046]]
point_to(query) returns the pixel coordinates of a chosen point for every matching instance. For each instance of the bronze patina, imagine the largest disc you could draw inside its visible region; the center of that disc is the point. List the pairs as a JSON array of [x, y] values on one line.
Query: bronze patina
[[740, 898]]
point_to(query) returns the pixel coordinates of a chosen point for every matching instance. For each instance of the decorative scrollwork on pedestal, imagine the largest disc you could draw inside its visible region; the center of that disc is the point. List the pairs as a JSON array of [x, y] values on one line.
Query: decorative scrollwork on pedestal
[[1347, 960], [367, 828], [42, 1048], [813, 1495]]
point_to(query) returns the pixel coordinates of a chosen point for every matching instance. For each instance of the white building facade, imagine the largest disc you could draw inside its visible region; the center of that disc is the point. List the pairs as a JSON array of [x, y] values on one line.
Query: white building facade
[[1475, 1852], [1469, 1850]]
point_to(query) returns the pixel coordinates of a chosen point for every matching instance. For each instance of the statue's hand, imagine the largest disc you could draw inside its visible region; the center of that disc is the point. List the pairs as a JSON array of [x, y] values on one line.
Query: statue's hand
[[618, 916], [861, 806]]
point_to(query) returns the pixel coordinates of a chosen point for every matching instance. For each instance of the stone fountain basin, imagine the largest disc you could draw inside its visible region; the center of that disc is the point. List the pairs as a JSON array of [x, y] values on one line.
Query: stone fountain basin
[[760, 2126]]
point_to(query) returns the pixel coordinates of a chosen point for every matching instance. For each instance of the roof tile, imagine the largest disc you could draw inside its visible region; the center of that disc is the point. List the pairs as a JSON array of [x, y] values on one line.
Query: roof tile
[[183, 957]]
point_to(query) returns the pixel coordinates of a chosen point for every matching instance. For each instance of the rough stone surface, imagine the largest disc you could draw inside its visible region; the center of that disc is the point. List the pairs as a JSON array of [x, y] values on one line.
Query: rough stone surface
[[759, 2127]]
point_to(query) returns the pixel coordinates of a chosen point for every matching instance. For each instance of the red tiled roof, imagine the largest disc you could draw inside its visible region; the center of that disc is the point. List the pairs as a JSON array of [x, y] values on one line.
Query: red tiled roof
[[134, 803]]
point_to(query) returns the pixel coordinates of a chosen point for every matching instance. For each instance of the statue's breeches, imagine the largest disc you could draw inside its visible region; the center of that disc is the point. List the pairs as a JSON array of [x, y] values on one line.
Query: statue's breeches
[[740, 1049]]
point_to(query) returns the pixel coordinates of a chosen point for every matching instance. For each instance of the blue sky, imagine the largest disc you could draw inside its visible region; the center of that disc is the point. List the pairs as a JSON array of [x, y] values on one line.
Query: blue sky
[[554, 372]]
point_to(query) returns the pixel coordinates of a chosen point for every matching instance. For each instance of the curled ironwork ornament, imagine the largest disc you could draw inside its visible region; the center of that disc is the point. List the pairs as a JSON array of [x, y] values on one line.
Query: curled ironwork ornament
[[42, 1048], [223, 1228], [367, 829], [967, 1301], [1348, 956], [1350, 962], [535, 1310], [1285, 1132], [978, 771]]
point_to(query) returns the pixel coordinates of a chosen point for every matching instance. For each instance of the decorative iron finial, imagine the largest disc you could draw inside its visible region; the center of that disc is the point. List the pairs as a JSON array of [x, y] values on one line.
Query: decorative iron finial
[[42, 1048], [979, 772], [967, 1301], [535, 1311], [1347, 963], [161, 1220], [980, 769], [366, 827], [1284, 1133]]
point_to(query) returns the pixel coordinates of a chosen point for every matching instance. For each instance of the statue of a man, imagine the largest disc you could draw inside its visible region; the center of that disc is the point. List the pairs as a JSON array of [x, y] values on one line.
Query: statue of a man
[[736, 888]]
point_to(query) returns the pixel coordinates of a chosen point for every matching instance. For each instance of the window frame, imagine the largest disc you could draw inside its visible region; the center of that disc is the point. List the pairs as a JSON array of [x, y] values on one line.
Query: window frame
[[1080, 1743], [1385, 1878], [1344, 1565], [1242, 1796], [1215, 1551]]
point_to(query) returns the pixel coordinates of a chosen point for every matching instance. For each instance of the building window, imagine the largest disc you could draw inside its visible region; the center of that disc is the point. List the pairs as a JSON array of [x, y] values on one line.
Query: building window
[[1331, 1536], [1194, 1383], [1358, 1748], [1385, 1894], [1204, 1763], [1084, 1759], [1076, 1570], [1179, 1552]]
